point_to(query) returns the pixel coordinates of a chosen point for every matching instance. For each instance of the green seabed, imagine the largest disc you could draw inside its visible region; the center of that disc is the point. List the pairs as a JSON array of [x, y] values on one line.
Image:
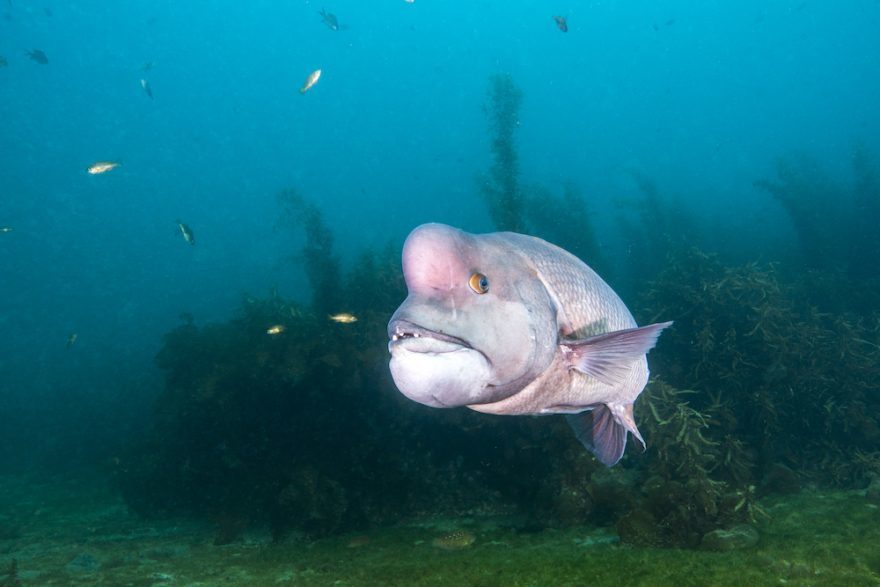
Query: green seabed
[[81, 533]]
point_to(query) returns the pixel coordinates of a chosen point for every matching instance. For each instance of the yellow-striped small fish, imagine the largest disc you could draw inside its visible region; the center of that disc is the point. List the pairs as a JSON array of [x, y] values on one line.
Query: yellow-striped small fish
[[343, 318], [71, 340], [276, 329], [102, 167], [310, 81]]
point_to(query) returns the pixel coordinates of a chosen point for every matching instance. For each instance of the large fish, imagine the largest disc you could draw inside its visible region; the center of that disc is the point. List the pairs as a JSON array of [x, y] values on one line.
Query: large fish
[[505, 323]]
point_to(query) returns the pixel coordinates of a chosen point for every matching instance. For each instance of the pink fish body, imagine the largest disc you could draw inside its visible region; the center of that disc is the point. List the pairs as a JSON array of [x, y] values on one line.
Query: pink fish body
[[505, 323]]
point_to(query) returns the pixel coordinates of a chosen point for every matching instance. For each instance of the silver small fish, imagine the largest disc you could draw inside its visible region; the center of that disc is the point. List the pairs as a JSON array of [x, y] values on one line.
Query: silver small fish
[[102, 167], [187, 233], [310, 81]]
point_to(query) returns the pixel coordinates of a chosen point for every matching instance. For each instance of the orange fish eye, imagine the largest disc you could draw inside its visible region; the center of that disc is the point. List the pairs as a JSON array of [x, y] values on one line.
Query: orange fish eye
[[479, 283]]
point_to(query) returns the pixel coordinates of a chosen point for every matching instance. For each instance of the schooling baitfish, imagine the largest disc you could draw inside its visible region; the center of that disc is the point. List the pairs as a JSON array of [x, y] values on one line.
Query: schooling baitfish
[[505, 323]]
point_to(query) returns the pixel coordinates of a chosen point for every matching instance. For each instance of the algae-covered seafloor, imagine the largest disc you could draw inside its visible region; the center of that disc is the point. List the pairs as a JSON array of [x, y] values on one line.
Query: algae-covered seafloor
[[55, 532]]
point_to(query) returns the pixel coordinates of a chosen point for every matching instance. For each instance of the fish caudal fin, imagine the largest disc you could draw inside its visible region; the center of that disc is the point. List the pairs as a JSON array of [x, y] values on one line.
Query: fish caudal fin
[[602, 434], [608, 357]]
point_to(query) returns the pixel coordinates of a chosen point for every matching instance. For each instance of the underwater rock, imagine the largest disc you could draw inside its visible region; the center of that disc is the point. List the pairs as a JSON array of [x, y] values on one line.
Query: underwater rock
[[780, 479], [736, 538], [311, 501], [573, 505], [639, 528], [612, 493]]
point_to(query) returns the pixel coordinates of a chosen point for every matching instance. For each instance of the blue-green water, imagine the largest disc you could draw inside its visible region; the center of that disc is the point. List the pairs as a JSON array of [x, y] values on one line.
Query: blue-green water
[[717, 163]]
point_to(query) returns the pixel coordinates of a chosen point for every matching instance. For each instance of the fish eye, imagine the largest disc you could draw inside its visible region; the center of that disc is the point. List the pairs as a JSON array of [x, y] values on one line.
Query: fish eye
[[479, 283]]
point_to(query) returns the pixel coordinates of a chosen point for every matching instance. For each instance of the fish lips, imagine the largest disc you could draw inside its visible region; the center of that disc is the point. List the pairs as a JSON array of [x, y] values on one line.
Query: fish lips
[[418, 339], [435, 369]]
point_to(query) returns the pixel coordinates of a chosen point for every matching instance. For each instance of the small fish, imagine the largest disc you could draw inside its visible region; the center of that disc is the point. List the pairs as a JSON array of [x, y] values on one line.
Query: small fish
[[187, 233], [457, 540], [146, 86], [409, 1], [71, 340], [310, 81], [38, 56], [276, 329], [5, 229], [329, 19], [102, 167], [147, 66], [343, 318], [561, 23], [3, 62]]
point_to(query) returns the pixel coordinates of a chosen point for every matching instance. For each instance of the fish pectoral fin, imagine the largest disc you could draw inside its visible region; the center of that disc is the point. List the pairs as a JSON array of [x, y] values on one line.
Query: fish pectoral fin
[[608, 357], [600, 432]]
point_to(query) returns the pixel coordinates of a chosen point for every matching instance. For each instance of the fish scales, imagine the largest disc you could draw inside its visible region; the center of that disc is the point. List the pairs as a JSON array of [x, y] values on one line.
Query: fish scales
[[585, 306]]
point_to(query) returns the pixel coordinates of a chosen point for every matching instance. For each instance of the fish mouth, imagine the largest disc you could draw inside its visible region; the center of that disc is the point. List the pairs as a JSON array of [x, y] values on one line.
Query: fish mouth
[[419, 339]]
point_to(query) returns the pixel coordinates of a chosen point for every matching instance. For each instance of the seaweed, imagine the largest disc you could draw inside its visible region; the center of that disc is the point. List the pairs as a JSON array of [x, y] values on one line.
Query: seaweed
[[816, 207], [562, 219], [758, 388], [565, 221], [501, 189], [303, 429], [786, 381], [321, 264], [836, 229], [655, 228]]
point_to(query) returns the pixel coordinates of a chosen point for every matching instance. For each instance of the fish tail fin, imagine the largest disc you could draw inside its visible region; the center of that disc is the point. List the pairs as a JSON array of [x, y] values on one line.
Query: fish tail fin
[[603, 429]]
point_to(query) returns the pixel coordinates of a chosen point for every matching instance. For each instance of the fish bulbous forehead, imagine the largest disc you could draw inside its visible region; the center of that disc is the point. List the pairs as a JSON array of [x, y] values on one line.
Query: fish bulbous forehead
[[437, 257]]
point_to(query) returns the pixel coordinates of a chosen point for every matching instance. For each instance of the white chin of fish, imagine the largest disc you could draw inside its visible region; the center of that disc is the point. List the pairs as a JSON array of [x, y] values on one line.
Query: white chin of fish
[[438, 373]]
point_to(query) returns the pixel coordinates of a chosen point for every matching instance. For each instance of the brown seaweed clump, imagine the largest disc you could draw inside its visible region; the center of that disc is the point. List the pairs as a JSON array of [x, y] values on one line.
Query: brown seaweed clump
[[785, 382], [683, 492], [284, 418]]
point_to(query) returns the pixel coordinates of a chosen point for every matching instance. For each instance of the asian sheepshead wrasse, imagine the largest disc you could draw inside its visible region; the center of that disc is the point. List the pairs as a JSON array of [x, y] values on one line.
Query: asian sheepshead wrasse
[[505, 323]]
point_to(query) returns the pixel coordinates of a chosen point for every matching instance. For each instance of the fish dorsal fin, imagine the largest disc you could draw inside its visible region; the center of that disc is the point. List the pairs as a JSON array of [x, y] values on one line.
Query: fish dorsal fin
[[608, 357]]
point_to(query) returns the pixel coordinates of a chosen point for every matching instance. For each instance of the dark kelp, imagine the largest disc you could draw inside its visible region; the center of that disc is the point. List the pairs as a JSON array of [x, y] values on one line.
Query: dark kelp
[[767, 382]]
